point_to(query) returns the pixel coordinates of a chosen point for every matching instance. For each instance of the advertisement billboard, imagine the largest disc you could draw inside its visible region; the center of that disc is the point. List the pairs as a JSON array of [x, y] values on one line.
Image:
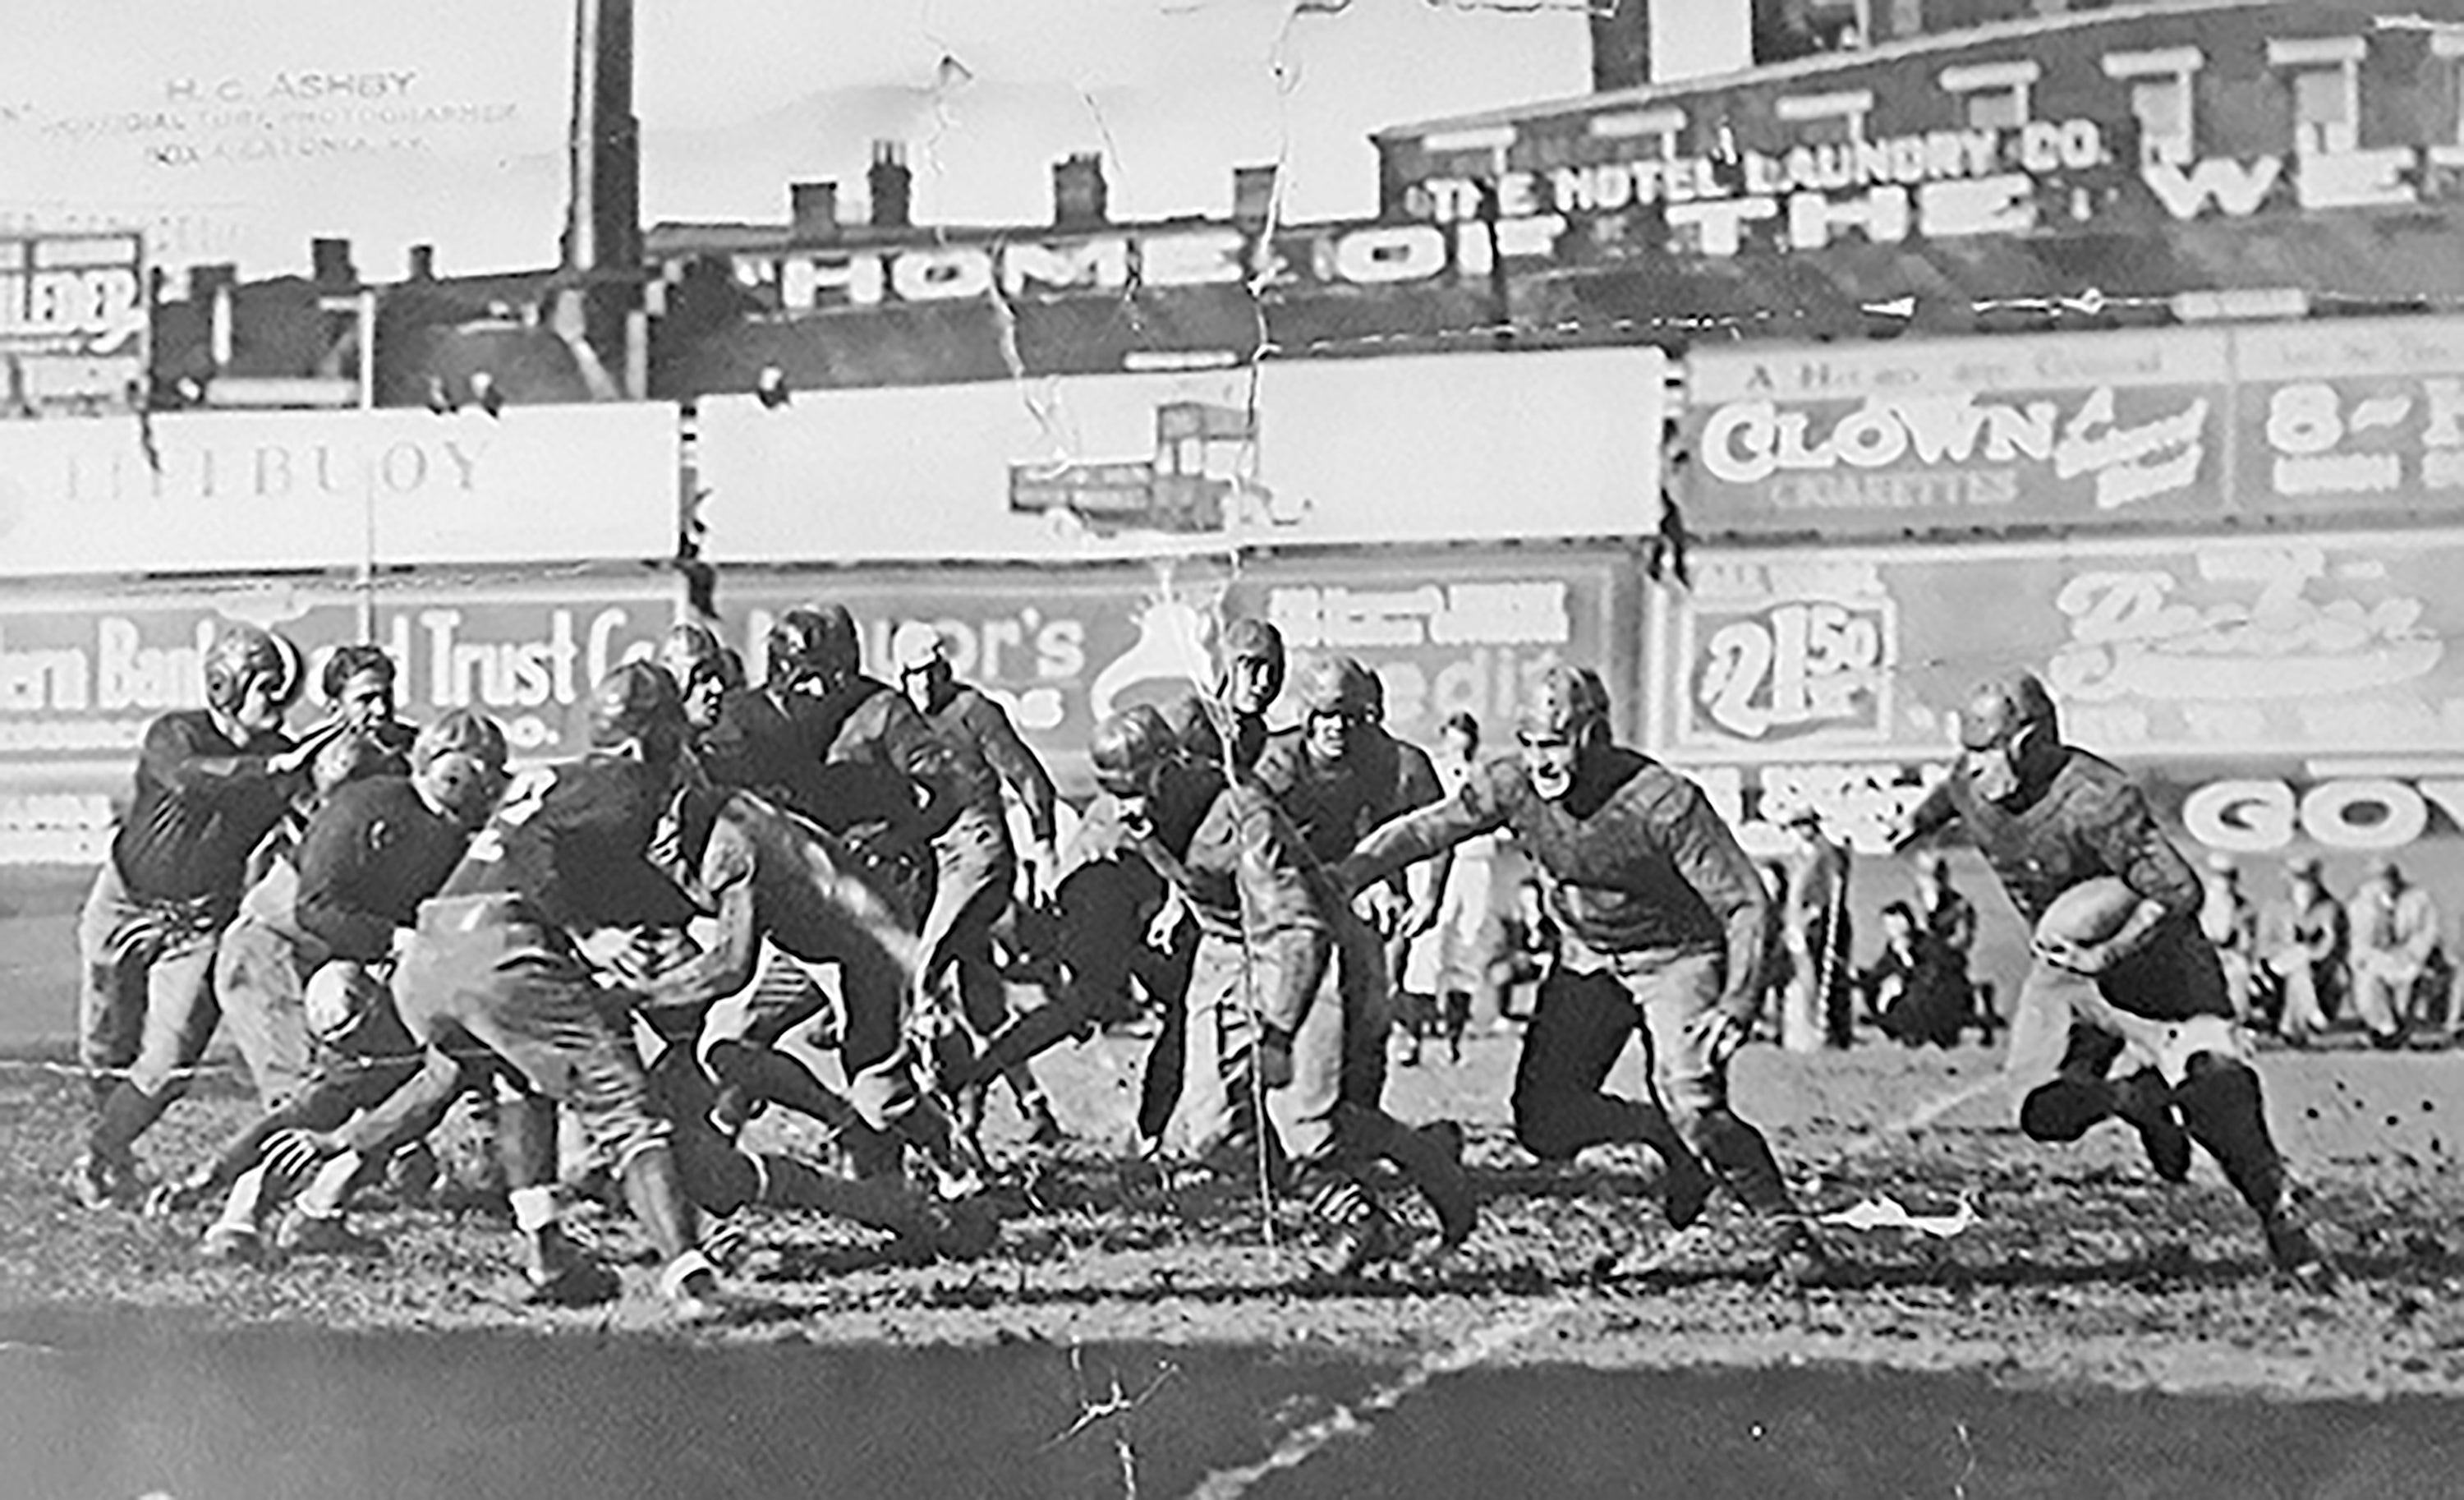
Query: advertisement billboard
[[1958, 433], [2301, 420], [1452, 448], [1839, 674], [2352, 415], [74, 318], [1446, 630], [83, 673], [276, 490]]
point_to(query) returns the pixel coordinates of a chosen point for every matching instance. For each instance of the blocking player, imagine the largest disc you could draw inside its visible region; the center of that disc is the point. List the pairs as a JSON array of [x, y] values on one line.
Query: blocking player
[[372, 853], [767, 875], [1663, 931], [977, 867], [211, 782], [357, 685], [1260, 1016], [497, 959], [1227, 726], [2048, 817], [867, 768]]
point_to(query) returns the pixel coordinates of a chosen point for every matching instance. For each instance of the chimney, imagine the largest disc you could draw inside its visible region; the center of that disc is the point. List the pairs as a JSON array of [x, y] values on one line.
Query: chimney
[[1253, 195], [423, 263], [603, 227], [813, 210], [329, 263], [890, 184], [1078, 192], [206, 281], [1620, 44]]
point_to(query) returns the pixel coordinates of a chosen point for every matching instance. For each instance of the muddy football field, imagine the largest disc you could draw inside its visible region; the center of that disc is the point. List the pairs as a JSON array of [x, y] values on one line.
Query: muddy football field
[[1135, 1333]]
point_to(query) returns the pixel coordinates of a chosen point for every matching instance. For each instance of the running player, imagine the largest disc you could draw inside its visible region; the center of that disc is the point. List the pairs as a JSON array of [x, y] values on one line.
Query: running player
[[2049, 817]]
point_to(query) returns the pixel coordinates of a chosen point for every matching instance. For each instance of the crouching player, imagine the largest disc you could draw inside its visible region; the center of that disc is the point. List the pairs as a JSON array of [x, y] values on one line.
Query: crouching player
[[1664, 921], [1261, 1012], [497, 959], [2147, 991], [370, 854], [765, 873]]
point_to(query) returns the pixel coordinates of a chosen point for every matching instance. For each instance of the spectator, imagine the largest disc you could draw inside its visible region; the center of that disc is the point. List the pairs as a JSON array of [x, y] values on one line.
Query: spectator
[[2230, 921], [1450, 963], [1814, 936], [2396, 962], [1945, 912], [2301, 945], [1912, 989]]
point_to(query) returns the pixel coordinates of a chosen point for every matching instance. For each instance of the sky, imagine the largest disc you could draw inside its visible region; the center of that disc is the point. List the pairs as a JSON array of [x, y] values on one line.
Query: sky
[[238, 129]]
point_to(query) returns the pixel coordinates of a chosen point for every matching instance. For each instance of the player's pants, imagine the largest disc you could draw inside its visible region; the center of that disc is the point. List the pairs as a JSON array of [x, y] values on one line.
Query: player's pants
[[479, 966], [1580, 1025], [261, 985], [145, 997], [1455, 955], [976, 870], [1337, 1063], [884, 1081]]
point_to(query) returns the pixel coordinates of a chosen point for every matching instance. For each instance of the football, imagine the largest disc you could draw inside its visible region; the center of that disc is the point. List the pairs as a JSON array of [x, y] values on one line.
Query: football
[[2089, 912]]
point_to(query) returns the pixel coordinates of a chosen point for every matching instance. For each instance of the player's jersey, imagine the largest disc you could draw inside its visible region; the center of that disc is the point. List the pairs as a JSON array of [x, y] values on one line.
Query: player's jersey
[[1637, 861], [808, 889], [1333, 805], [568, 843], [2091, 821], [372, 853], [752, 746], [866, 756], [201, 804], [986, 752]]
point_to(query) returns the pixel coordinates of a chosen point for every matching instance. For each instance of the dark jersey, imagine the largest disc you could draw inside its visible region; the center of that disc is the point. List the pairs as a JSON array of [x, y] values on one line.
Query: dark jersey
[[569, 841], [371, 854], [201, 804], [752, 746], [1634, 861], [765, 873], [1333, 804], [2090, 821], [865, 757], [985, 753]]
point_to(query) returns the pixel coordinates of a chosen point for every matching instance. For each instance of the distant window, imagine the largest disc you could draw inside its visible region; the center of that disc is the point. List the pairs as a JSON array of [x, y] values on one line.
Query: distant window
[[2324, 76], [1660, 132], [1992, 95], [1826, 118], [2161, 100]]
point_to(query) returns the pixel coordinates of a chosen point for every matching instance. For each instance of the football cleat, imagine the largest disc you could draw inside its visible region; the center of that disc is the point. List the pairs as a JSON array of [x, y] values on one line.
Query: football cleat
[[98, 1181], [233, 1244], [576, 1283]]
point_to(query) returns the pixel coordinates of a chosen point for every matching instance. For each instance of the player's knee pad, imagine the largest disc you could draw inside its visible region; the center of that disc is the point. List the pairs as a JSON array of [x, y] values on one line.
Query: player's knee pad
[[2063, 1110]]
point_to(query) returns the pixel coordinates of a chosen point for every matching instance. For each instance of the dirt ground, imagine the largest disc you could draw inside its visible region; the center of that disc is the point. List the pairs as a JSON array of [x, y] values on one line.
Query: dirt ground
[[2079, 1268]]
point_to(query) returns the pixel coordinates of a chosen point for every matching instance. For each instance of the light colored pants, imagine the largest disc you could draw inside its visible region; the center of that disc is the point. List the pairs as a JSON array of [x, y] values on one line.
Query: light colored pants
[[1335, 1061], [146, 994], [261, 984]]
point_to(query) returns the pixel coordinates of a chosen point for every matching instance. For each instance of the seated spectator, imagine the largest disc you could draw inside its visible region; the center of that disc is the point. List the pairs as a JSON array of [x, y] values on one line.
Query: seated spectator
[[2300, 979], [2231, 921], [1913, 989], [2396, 963]]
